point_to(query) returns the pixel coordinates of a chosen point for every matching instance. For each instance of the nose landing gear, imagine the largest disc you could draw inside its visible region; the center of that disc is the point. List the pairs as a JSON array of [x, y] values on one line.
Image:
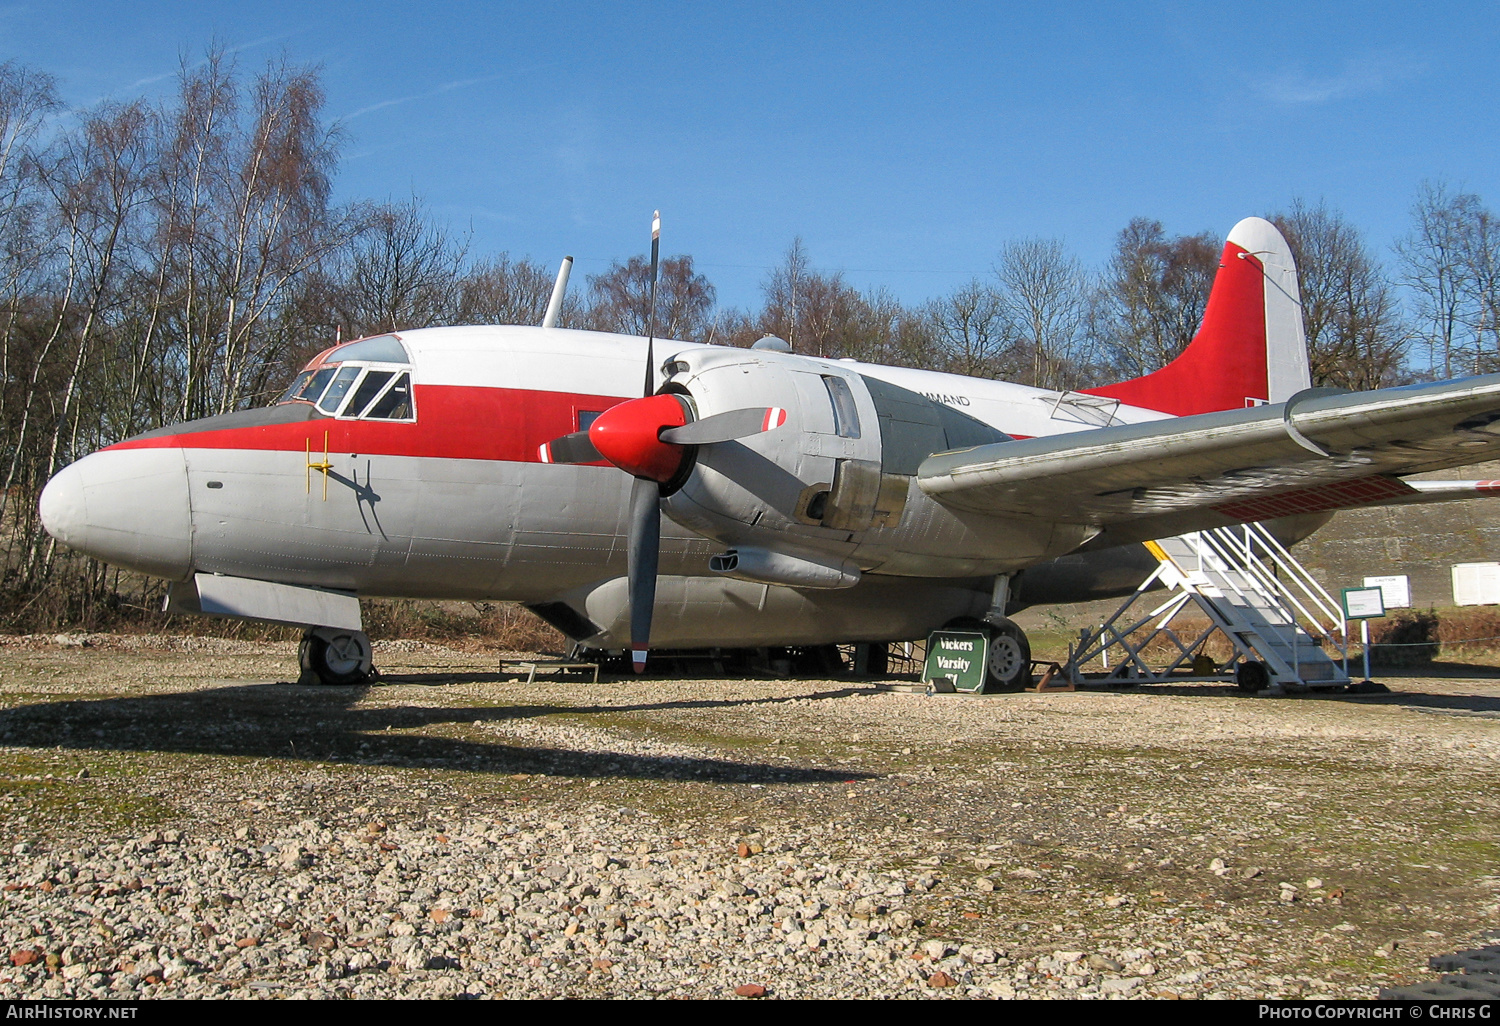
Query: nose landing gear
[[333, 655]]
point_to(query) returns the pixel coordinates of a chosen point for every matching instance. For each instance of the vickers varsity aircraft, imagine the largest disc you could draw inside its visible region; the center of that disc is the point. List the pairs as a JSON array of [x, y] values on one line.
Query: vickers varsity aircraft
[[747, 497]]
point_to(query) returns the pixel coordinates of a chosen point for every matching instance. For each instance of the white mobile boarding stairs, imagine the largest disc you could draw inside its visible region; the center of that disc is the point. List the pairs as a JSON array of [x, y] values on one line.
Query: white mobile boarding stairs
[[1280, 621]]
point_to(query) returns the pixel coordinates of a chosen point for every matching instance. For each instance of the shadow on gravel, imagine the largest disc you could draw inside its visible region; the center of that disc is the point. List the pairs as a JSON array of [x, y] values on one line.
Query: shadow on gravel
[[1483, 705], [287, 721]]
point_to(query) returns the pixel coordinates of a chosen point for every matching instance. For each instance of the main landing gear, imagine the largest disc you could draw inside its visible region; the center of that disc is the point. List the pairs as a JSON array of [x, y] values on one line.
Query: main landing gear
[[334, 655], [1008, 667]]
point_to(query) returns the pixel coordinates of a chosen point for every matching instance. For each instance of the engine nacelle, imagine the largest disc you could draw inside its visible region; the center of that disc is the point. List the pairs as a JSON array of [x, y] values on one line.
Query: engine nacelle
[[833, 487]]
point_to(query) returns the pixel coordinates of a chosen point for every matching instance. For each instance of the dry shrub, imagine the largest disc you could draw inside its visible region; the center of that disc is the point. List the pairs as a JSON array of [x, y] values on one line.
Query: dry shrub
[[1408, 638], [1470, 631], [499, 626], [84, 596]]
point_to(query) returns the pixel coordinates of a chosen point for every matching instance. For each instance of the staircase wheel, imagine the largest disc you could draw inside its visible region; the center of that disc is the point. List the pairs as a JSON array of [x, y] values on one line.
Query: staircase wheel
[[1252, 676]]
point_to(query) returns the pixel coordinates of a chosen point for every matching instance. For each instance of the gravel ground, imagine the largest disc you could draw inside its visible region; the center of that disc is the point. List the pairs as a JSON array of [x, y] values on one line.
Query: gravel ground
[[176, 823]]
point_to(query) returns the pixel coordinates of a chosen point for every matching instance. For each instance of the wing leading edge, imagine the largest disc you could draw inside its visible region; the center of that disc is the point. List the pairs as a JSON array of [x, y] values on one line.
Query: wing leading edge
[[1319, 451]]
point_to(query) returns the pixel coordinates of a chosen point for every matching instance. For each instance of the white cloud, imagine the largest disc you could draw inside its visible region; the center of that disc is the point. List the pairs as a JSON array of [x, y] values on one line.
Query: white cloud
[[446, 87], [1356, 78]]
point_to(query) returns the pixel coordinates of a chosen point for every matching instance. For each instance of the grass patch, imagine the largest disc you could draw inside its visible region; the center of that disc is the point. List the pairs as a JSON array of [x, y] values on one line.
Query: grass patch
[[45, 792]]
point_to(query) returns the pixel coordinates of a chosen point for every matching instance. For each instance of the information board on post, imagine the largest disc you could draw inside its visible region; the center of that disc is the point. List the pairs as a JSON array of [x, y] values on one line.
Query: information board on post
[[958, 656], [1363, 603]]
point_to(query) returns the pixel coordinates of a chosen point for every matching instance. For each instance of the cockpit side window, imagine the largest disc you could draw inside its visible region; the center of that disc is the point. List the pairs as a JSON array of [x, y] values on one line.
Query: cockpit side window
[[369, 388], [369, 379], [314, 386], [296, 387], [395, 404]]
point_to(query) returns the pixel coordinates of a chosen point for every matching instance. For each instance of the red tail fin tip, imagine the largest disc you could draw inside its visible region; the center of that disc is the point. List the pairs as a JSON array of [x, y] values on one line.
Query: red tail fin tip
[[1251, 347]]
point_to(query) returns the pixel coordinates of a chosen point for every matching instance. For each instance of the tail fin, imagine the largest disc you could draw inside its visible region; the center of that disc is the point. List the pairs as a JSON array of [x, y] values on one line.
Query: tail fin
[[1251, 348]]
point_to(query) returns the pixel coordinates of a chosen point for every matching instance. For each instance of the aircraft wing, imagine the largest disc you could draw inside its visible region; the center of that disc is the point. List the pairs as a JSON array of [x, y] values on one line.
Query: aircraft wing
[[1321, 450]]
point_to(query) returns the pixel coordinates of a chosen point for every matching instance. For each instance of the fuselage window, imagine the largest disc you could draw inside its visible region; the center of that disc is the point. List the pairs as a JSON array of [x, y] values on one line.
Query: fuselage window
[[334, 397], [368, 389], [845, 413], [586, 419], [395, 404]]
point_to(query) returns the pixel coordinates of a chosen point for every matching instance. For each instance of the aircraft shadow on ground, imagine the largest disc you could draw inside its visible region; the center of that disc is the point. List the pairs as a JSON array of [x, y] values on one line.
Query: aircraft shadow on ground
[[287, 721], [1480, 704]]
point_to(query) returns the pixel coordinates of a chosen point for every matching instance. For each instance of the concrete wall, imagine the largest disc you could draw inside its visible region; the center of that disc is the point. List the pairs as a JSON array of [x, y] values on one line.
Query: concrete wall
[[1422, 542]]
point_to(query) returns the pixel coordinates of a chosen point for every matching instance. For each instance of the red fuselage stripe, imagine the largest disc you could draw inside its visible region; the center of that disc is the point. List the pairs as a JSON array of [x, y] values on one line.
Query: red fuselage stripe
[[453, 422]]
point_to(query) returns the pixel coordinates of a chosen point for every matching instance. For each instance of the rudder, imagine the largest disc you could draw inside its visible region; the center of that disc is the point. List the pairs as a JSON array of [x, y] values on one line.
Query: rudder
[[1251, 348]]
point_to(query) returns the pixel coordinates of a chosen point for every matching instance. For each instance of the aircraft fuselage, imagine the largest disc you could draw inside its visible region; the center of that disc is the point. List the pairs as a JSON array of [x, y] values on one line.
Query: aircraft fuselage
[[448, 497]]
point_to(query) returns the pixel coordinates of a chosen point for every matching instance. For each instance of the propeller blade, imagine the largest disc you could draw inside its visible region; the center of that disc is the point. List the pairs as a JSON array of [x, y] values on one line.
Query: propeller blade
[[574, 448], [641, 556], [651, 316], [723, 427]]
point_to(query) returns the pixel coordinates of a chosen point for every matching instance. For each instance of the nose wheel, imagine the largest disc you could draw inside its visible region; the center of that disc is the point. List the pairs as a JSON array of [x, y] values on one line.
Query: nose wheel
[[330, 655]]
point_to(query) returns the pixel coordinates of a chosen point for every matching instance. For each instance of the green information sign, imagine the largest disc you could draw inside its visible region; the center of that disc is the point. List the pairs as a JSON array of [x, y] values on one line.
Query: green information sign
[[959, 656], [1363, 603]]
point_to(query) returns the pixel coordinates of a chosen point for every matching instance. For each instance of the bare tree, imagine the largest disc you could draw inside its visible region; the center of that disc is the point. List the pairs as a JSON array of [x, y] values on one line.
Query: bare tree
[[973, 334], [1355, 336], [1451, 263], [402, 272], [817, 312], [1153, 295], [503, 291], [1045, 296], [620, 299], [1483, 259], [241, 219], [1436, 269], [27, 99]]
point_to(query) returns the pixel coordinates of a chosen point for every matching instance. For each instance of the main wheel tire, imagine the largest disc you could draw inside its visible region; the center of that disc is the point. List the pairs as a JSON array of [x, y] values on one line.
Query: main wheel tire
[[1009, 665], [336, 657], [1252, 676]]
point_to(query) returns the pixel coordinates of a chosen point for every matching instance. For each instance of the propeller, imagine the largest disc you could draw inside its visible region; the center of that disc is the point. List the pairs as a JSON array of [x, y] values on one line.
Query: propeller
[[652, 439], [574, 448], [643, 550]]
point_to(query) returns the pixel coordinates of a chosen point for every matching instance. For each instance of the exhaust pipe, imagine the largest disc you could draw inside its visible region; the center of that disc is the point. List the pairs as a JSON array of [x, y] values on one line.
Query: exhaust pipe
[[762, 566]]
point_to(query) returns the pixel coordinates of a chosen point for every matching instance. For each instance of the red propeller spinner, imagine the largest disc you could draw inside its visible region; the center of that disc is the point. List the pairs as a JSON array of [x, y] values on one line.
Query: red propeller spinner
[[629, 436]]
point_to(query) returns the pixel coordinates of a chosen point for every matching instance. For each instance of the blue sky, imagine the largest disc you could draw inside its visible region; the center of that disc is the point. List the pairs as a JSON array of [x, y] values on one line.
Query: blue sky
[[905, 143]]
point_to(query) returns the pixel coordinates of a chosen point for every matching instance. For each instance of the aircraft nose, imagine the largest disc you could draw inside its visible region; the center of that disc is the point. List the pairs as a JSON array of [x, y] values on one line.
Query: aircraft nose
[[127, 507], [61, 507]]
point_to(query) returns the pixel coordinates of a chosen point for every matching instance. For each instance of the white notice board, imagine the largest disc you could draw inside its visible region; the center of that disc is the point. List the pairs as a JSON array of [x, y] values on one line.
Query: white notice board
[[1395, 590], [1476, 584]]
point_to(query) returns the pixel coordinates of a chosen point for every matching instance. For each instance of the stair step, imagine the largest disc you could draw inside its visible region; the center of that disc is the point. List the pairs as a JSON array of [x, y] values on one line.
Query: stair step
[[1220, 571]]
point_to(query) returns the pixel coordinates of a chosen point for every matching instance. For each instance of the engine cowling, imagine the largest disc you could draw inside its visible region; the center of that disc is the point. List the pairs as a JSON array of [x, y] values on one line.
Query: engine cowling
[[840, 468]]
